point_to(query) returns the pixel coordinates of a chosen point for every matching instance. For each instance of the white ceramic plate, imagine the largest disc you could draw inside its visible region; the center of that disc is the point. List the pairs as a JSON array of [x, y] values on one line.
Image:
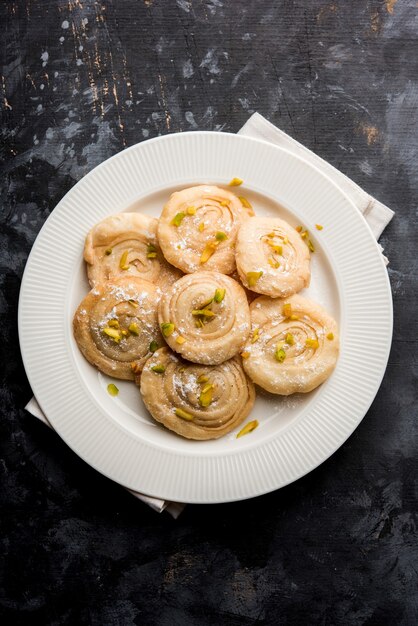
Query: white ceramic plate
[[116, 435]]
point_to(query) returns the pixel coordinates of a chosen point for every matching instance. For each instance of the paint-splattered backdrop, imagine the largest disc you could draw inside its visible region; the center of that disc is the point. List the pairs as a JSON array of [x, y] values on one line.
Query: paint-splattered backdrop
[[80, 80]]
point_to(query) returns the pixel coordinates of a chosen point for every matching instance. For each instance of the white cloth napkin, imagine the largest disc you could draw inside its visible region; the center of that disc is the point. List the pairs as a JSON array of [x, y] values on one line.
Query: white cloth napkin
[[376, 214]]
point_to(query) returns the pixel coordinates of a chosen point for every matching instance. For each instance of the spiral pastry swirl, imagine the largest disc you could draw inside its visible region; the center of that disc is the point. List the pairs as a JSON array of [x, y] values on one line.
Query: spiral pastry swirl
[[293, 347], [116, 324], [271, 257], [198, 228], [196, 401], [205, 317], [126, 244]]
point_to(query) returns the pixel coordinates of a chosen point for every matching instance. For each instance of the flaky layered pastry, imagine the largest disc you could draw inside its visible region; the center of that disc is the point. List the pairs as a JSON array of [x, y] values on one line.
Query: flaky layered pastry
[[196, 401], [126, 244], [293, 347], [198, 228], [205, 317], [271, 257], [116, 324]]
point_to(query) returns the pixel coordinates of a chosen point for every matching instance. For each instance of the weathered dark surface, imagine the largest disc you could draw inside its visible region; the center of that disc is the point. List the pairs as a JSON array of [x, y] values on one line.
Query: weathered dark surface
[[81, 80]]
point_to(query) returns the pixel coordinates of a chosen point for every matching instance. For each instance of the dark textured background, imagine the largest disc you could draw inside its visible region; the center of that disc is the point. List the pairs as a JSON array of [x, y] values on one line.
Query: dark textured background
[[80, 81]]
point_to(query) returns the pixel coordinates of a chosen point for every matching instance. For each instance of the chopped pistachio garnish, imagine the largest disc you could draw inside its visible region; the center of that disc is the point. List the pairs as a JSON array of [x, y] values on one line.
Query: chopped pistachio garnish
[[151, 255], [276, 248], [112, 390], [113, 323], [312, 343], [219, 295], [134, 329], [224, 203], [201, 227], [113, 334], [280, 354], [133, 303], [256, 335], [293, 317], [208, 251], [124, 332], [123, 263], [203, 312], [153, 346], [135, 367], [151, 248], [299, 229], [221, 236], [183, 414], [191, 210], [274, 264], [178, 218], [158, 369], [287, 309], [206, 395], [167, 328], [235, 182], [245, 203], [285, 240], [199, 323], [319, 226], [271, 235], [252, 278], [180, 340], [249, 427], [311, 246], [304, 234], [290, 340], [108, 251], [202, 379], [245, 354], [330, 336]]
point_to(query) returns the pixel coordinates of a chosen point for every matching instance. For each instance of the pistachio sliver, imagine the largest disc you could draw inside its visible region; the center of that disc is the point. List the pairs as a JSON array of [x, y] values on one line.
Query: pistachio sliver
[[249, 427], [208, 251], [201, 227], [206, 395], [280, 354], [112, 390], [219, 295], [245, 354], [319, 226], [274, 264], [151, 255], [245, 203], [133, 303], [235, 182], [221, 236], [256, 335], [311, 246], [252, 277], [178, 218], [287, 309], [203, 312], [183, 414], [167, 328], [180, 340], [330, 336], [202, 379], [108, 251], [134, 328], [278, 249], [113, 323], [312, 343], [158, 369], [113, 333], [153, 346], [289, 339], [191, 210], [123, 263], [224, 203]]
